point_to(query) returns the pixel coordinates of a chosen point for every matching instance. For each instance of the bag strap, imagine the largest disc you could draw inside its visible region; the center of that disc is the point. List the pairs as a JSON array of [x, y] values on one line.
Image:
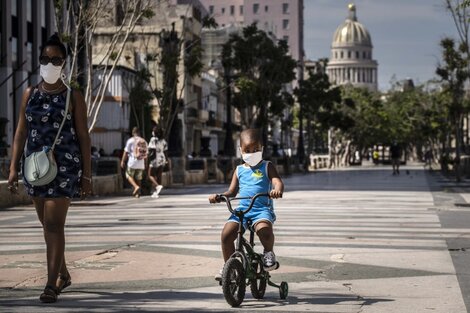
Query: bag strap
[[67, 103]]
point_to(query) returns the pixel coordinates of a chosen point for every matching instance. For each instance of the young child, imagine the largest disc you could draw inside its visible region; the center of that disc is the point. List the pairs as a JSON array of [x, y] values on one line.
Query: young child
[[252, 177]]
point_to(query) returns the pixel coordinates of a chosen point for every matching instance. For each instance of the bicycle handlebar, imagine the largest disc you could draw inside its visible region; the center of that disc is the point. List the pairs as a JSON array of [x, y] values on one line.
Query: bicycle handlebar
[[229, 204]]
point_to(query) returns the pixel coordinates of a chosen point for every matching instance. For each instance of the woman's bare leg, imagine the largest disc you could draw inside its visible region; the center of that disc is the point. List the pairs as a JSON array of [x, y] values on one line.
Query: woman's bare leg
[[55, 213]]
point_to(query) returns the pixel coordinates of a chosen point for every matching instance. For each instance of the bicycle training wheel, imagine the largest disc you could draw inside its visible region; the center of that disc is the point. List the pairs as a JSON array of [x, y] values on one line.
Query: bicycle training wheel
[[258, 286], [233, 282], [283, 290]]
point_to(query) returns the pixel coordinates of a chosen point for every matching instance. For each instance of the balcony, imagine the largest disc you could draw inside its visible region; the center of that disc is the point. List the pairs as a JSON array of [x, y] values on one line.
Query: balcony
[[203, 116]]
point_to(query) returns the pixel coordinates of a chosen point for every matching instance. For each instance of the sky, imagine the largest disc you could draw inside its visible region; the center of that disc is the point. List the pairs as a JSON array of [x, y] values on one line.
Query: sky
[[405, 34]]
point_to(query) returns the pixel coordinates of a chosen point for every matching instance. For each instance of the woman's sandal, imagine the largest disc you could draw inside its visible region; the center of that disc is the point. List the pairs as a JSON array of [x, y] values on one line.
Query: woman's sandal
[[49, 295], [64, 282]]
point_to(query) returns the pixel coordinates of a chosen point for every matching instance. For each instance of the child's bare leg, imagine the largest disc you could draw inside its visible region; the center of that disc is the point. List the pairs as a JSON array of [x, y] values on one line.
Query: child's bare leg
[[264, 230], [229, 234]]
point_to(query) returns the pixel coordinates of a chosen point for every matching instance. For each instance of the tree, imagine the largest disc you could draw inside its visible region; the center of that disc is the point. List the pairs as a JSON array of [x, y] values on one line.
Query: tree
[[259, 68], [320, 105], [77, 22], [454, 73], [140, 96]]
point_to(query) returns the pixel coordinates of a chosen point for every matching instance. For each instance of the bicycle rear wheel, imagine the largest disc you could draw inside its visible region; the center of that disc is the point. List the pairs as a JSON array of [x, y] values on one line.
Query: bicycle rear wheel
[[233, 282], [258, 285]]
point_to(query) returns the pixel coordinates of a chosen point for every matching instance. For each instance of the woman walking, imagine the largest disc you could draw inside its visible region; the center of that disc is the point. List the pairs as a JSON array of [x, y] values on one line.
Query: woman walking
[[43, 111], [157, 160]]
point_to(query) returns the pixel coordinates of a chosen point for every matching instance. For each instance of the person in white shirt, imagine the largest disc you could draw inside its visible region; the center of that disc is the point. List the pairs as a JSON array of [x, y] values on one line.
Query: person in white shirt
[[135, 153], [157, 160]]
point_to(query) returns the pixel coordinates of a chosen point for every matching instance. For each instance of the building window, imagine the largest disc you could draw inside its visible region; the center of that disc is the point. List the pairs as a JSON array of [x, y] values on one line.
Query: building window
[[336, 55], [43, 13], [29, 11], [285, 8], [232, 10], [349, 54], [286, 38], [14, 50], [357, 54], [14, 10], [223, 11], [266, 8], [341, 55], [256, 8], [363, 54], [241, 10], [119, 16], [211, 9], [285, 24]]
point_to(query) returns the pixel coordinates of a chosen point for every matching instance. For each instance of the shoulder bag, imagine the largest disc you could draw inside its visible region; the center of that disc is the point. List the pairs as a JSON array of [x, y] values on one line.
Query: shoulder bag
[[40, 168]]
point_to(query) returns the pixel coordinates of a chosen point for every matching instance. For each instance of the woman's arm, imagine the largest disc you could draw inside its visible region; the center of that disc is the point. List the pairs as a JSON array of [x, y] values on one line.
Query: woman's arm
[[81, 126], [19, 139]]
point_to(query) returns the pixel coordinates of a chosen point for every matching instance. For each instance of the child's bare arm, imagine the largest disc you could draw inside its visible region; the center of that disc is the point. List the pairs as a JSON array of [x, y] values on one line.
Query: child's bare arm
[[232, 189], [276, 181]]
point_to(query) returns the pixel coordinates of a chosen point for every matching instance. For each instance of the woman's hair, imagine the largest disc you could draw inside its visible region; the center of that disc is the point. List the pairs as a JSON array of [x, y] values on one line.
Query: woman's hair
[[54, 41]]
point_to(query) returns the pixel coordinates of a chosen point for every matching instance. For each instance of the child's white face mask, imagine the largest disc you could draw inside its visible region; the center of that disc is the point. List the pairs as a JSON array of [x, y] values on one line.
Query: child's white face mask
[[253, 159]]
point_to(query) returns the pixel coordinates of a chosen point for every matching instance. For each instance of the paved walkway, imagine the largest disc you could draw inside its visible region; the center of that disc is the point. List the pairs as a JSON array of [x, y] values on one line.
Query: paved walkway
[[354, 240]]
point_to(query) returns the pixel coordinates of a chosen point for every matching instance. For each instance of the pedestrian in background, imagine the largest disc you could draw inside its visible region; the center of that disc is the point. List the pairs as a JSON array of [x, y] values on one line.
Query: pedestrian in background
[[43, 109], [133, 160], [395, 154], [157, 160]]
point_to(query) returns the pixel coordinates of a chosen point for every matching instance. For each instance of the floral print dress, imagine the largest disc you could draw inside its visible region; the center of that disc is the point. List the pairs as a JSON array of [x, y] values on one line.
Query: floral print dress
[[44, 114]]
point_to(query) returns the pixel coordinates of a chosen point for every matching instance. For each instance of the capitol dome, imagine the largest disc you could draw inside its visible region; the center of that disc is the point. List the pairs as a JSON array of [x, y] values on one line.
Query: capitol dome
[[351, 55], [351, 31]]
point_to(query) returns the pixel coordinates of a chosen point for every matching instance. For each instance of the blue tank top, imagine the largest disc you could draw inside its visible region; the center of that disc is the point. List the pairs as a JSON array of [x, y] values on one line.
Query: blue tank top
[[253, 180]]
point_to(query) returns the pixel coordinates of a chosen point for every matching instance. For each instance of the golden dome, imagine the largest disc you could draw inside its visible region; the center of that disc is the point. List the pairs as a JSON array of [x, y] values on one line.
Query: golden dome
[[351, 32]]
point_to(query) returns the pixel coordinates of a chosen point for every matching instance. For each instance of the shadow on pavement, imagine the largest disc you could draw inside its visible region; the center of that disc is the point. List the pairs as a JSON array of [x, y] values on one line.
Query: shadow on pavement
[[349, 179], [162, 301]]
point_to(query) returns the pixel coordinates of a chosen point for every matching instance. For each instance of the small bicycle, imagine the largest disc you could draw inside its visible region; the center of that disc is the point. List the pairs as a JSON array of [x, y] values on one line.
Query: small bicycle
[[245, 266]]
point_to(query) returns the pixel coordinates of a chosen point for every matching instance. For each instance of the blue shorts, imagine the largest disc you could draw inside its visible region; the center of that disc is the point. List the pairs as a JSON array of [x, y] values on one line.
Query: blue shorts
[[255, 215]]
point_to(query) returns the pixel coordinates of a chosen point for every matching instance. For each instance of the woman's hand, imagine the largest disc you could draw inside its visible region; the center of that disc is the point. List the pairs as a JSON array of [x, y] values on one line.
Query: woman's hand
[[86, 187], [13, 182]]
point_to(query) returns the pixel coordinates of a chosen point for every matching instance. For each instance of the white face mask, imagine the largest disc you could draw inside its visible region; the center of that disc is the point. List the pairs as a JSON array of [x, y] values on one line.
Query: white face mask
[[253, 159], [50, 73]]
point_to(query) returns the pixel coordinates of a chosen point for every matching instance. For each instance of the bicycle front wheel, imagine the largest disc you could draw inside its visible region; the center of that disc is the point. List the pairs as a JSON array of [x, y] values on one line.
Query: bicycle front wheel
[[233, 282]]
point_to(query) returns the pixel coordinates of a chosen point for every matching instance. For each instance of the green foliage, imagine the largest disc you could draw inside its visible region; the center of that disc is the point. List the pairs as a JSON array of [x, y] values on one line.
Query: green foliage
[[140, 97], [193, 58], [148, 13], [259, 68], [113, 56], [209, 22], [66, 38], [412, 117]]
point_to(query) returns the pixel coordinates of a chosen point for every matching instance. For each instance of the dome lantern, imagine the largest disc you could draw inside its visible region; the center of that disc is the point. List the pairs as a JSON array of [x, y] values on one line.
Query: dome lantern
[[352, 12]]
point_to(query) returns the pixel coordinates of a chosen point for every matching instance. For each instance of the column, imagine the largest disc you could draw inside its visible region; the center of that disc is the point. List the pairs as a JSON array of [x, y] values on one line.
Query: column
[[36, 20], [6, 81], [21, 71], [50, 25]]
